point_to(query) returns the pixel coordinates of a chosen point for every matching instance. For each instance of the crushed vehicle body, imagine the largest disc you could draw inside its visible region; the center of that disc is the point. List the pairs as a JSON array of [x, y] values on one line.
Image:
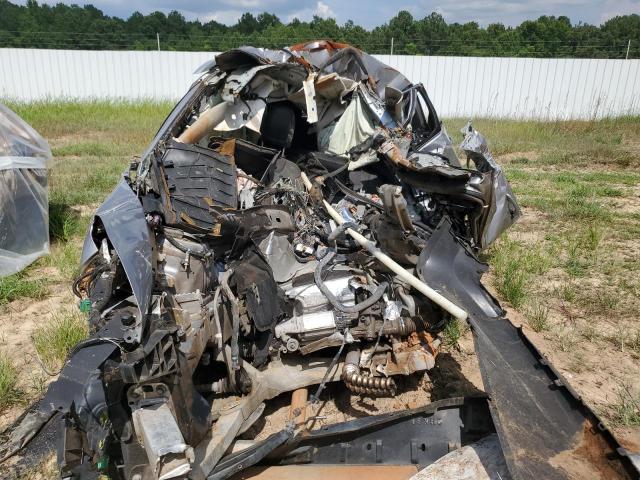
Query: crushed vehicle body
[[301, 218]]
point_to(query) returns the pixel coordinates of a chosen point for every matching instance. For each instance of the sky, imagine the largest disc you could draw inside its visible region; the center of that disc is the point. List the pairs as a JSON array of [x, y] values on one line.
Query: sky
[[375, 12]]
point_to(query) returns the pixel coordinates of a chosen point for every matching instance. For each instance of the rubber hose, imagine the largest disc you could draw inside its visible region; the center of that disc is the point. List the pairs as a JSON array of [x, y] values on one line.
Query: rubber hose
[[340, 230], [401, 327], [183, 249], [317, 275]]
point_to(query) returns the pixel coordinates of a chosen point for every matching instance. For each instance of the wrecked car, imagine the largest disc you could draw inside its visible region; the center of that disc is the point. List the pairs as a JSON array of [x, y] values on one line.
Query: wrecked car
[[300, 218]]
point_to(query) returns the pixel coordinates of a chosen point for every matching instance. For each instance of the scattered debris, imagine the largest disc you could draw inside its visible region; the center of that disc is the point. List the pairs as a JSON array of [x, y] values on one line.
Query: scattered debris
[[300, 218]]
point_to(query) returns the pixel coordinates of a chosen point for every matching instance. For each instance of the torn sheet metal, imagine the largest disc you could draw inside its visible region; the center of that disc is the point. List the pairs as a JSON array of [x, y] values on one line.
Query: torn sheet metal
[[124, 223], [310, 98], [327, 233], [279, 251], [504, 210], [163, 441], [531, 404]]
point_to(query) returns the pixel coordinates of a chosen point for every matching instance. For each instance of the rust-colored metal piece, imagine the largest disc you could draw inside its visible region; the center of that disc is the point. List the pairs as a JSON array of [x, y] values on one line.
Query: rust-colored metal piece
[[298, 408], [334, 472], [370, 386], [429, 340], [393, 153], [228, 148], [416, 353], [319, 45]]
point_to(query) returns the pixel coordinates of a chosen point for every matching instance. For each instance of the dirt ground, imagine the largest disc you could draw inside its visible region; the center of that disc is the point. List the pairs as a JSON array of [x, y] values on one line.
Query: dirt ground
[[456, 374], [578, 233], [18, 322]]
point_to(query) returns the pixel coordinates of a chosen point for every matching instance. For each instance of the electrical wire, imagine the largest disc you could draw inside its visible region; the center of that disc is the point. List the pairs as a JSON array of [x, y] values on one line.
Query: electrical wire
[[432, 46], [315, 398]]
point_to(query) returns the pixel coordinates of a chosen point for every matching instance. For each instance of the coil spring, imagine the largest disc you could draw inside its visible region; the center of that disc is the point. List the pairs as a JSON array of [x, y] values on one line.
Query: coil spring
[[372, 386]]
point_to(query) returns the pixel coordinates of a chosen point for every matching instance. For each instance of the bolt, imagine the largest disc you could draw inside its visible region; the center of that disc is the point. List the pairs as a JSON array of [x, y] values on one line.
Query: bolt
[[127, 319], [181, 333]]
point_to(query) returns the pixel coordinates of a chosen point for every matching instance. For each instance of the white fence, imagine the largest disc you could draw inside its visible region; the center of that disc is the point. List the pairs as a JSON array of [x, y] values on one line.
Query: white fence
[[458, 86]]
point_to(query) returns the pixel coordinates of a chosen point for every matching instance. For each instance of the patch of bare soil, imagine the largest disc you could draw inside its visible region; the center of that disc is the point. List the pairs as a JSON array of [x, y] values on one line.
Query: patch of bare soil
[[628, 204], [85, 210], [455, 374], [73, 138], [529, 230], [594, 368], [18, 321], [588, 459], [508, 158]]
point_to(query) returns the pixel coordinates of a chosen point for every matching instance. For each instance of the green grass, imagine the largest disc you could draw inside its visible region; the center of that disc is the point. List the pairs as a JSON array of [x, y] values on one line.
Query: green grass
[[20, 285], [576, 137], [627, 409], [9, 392], [129, 122], [511, 283], [65, 257], [514, 264], [626, 339], [92, 143], [54, 340], [64, 223], [537, 315], [567, 292], [452, 332]]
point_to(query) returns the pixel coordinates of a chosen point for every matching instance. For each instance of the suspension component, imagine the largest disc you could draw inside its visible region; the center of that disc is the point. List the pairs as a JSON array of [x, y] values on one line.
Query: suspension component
[[363, 384], [402, 327]]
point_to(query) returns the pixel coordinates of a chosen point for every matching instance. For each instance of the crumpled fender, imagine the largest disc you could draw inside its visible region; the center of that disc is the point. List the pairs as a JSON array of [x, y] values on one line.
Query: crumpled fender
[[126, 227]]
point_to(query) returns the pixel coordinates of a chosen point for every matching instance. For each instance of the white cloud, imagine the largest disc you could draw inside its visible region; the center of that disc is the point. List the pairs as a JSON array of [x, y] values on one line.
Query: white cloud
[[228, 17], [246, 4], [324, 11], [512, 12], [613, 8], [377, 12]]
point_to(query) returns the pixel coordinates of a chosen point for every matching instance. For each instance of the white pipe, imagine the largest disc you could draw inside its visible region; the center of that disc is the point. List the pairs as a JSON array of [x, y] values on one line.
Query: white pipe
[[204, 124], [401, 272]]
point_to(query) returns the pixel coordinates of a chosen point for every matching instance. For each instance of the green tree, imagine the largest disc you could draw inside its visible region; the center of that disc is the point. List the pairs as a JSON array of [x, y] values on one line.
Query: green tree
[[40, 25]]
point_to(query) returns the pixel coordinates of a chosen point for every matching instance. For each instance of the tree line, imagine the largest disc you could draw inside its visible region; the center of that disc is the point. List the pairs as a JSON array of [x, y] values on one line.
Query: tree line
[[37, 25]]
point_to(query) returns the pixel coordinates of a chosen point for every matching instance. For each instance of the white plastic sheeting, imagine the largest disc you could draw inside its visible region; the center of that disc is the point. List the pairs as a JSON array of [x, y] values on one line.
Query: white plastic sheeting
[[351, 129], [24, 208]]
